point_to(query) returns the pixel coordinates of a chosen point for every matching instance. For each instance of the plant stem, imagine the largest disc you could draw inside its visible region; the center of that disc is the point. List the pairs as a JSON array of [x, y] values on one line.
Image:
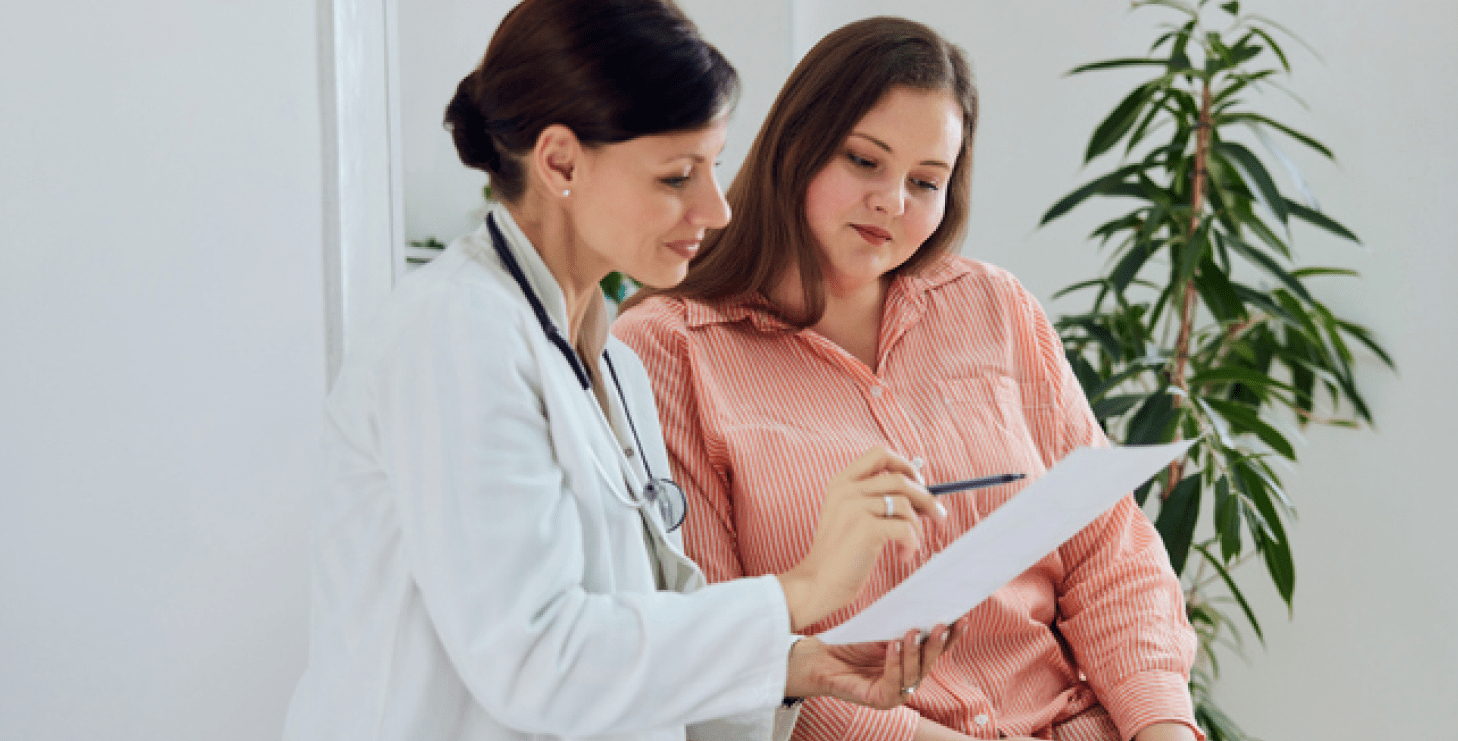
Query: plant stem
[[1187, 310]]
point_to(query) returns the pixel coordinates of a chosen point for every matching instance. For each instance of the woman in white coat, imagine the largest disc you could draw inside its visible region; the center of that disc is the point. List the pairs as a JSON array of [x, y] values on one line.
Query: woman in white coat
[[497, 555]]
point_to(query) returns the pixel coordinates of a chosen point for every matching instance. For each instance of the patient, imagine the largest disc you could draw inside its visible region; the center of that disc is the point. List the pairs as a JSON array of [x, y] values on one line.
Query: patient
[[833, 314]]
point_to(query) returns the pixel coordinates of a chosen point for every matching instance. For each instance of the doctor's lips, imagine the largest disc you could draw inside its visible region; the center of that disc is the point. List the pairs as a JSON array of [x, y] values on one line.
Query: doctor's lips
[[685, 248], [873, 234]]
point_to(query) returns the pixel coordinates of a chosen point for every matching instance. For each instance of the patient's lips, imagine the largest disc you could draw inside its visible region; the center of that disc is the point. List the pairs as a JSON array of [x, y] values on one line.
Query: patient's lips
[[873, 234]]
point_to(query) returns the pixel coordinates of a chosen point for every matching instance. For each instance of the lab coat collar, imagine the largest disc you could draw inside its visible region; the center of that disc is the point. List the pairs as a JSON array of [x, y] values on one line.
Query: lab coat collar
[[548, 290]]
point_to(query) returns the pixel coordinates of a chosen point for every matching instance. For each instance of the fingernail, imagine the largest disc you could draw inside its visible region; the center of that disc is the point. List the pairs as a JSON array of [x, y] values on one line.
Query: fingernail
[[920, 638], [898, 646], [941, 511], [946, 635]]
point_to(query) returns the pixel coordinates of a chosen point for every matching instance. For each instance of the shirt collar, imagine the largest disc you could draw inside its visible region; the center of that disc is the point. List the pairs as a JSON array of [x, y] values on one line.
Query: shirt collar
[[759, 312]]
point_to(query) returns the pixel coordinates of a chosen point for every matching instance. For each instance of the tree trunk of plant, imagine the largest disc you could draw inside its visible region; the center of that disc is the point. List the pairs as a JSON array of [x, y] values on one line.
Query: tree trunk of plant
[[1187, 310]]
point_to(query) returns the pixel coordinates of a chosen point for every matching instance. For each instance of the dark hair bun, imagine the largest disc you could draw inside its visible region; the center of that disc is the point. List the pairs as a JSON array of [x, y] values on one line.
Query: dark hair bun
[[469, 129], [609, 70]]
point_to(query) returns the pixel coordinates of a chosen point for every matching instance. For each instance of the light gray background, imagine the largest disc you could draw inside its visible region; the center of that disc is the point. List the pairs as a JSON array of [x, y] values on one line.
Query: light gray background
[[162, 304]]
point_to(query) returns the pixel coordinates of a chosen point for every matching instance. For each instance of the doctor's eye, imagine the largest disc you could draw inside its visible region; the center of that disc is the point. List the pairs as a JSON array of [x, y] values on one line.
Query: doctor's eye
[[676, 181]]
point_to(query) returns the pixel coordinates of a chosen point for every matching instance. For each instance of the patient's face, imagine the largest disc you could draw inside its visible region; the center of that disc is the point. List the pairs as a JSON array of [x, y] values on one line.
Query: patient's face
[[884, 193]]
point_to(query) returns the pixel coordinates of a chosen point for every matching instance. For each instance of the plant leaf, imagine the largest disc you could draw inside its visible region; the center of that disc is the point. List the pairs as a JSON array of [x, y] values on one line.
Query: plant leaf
[[1275, 47], [1275, 548], [1177, 518], [1116, 64], [1094, 187], [1154, 420], [1318, 219], [1118, 122], [1234, 592], [1283, 128], [1364, 336], [1218, 293], [1264, 262], [1114, 406], [1244, 419], [1235, 374], [1227, 519], [1256, 173]]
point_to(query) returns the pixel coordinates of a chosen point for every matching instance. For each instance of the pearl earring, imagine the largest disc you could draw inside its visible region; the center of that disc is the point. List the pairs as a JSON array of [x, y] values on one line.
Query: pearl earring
[[566, 193]]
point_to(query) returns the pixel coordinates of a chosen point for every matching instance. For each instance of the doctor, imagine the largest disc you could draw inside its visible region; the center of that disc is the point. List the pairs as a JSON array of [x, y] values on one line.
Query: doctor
[[498, 553]]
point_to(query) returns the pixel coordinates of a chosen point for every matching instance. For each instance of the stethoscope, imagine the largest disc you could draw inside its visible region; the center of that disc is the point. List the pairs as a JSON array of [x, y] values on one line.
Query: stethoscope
[[664, 493]]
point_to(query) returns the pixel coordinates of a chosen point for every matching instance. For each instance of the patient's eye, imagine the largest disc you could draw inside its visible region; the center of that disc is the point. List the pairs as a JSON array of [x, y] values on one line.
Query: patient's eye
[[859, 161]]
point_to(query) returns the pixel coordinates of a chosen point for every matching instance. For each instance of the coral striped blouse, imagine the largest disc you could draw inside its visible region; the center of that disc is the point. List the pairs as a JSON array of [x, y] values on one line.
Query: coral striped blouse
[[1090, 643]]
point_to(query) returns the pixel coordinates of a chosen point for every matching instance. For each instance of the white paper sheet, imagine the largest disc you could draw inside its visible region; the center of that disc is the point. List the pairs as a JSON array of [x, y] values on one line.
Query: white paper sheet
[[1041, 517]]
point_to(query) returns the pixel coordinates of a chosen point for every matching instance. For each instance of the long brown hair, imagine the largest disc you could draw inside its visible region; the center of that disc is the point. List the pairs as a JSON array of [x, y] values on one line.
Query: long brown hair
[[828, 93]]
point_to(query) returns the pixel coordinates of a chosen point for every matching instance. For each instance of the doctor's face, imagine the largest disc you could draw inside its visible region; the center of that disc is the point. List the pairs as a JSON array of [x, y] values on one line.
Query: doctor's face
[[644, 204], [884, 192]]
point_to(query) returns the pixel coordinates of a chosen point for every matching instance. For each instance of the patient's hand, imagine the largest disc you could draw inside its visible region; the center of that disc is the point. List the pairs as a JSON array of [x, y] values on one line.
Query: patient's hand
[[878, 675]]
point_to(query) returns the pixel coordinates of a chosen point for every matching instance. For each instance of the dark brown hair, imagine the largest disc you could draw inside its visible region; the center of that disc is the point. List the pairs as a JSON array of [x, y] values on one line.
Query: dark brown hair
[[609, 70], [828, 93]]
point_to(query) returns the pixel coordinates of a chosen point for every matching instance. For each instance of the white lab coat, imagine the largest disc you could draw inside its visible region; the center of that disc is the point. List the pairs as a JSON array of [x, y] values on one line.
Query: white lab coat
[[474, 576]]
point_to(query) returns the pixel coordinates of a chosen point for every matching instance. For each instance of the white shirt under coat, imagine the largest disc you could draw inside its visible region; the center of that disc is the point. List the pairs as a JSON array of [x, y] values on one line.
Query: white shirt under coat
[[474, 575]]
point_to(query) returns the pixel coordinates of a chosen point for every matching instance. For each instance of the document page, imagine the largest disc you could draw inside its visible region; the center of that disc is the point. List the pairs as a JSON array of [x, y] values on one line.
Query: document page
[[1043, 516]]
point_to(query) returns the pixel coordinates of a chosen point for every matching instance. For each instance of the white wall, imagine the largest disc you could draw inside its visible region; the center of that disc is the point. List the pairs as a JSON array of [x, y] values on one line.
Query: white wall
[[161, 319]]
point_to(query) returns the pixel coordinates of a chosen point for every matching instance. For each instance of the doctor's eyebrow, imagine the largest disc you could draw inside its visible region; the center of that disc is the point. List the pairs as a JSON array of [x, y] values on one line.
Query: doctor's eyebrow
[[887, 148], [694, 157]]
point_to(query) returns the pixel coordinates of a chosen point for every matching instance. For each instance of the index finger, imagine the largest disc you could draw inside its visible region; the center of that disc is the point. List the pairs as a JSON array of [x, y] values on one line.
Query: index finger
[[880, 460]]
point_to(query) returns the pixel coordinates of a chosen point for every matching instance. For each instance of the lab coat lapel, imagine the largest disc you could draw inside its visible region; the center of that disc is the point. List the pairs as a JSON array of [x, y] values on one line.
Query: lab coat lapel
[[679, 572]]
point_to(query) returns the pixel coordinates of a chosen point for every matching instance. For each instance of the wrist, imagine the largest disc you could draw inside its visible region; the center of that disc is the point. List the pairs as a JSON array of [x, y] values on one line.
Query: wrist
[[799, 599], [1165, 731], [800, 674]]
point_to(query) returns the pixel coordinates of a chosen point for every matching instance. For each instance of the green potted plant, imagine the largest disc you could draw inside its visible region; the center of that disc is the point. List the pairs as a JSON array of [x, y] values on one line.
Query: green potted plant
[[1202, 326]]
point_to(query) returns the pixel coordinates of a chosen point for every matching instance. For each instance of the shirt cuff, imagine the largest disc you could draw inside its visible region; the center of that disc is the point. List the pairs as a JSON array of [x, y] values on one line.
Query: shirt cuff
[[1147, 698], [829, 719]]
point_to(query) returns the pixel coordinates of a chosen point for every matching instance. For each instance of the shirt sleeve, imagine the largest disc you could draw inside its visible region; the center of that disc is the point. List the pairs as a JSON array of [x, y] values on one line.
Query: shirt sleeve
[[496, 540], [830, 719], [1120, 605]]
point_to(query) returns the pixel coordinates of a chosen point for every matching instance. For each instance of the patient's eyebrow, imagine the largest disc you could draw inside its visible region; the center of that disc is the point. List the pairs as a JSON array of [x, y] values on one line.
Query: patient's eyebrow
[[887, 148]]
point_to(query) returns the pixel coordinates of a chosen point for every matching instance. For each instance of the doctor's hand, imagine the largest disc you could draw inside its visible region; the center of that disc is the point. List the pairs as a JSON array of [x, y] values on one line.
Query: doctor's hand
[[878, 499], [878, 675]]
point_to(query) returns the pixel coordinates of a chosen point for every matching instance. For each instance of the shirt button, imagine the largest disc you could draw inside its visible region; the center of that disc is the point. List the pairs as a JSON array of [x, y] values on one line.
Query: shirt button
[[981, 719], [876, 391]]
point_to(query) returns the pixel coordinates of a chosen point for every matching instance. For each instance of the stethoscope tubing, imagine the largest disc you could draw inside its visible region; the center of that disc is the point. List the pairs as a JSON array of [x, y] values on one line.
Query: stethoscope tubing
[[549, 328]]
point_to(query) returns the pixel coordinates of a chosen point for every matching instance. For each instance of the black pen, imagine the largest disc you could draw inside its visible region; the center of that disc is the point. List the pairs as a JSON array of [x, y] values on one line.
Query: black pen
[[982, 483]]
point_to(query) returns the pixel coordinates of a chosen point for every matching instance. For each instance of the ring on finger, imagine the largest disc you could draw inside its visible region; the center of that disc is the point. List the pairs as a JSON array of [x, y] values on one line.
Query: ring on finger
[[908, 691], [890, 506]]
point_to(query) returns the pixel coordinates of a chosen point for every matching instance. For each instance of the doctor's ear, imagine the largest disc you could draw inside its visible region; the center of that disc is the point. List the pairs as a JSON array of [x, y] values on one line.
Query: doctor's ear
[[555, 159]]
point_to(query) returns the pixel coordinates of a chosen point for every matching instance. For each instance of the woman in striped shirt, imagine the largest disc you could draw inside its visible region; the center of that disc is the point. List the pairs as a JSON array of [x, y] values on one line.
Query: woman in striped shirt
[[831, 315]]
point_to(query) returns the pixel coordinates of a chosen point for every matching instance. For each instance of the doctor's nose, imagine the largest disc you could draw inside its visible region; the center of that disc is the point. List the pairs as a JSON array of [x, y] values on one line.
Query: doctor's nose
[[710, 210]]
